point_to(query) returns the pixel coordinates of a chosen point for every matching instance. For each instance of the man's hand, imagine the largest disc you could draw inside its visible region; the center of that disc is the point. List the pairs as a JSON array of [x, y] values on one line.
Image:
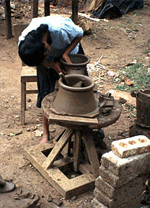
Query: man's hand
[[54, 65], [66, 58], [57, 67]]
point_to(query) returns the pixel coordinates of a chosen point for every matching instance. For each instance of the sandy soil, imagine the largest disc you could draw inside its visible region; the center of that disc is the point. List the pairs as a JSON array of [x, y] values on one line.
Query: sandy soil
[[118, 42]]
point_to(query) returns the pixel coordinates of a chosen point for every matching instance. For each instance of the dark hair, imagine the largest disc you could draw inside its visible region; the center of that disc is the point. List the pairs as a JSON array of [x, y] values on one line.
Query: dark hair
[[31, 50]]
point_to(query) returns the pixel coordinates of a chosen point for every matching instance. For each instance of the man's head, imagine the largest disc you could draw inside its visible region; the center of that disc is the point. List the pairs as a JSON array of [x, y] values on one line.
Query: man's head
[[33, 49]]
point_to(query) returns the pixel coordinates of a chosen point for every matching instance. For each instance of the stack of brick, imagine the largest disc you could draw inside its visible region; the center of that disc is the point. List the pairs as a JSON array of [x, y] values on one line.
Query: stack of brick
[[121, 180]]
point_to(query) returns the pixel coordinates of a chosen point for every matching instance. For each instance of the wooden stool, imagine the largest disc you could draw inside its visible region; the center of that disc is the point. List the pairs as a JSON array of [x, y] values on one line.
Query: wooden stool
[[28, 74]]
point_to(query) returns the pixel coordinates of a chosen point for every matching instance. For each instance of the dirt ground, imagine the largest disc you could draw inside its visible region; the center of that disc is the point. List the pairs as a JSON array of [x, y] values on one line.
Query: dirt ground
[[118, 42]]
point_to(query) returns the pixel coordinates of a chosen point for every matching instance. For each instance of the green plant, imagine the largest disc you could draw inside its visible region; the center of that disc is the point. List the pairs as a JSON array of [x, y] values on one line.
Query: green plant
[[123, 87], [138, 74], [131, 109]]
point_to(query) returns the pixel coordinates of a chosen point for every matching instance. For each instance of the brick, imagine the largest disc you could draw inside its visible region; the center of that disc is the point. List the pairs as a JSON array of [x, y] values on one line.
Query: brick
[[108, 202], [134, 203], [124, 193], [129, 191], [96, 204], [102, 198], [131, 146], [129, 167], [110, 178], [104, 186]]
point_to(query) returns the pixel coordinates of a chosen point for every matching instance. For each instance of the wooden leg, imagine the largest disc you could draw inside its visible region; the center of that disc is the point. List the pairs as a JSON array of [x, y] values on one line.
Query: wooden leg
[[23, 102], [91, 151], [70, 146], [76, 150], [57, 149], [55, 140]]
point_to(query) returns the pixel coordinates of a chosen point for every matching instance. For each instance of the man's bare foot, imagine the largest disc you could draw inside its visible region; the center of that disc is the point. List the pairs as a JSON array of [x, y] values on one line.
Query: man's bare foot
[[45, 139]]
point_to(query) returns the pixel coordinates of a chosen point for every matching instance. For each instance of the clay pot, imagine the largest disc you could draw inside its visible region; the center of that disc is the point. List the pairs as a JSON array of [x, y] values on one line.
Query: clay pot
[[143, 108], [78, 65], [77, 98]]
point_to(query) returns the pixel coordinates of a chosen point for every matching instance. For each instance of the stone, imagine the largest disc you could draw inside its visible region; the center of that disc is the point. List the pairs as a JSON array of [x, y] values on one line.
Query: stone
[[131, 146], [127, 168], [96, 204], [57, 201], [50, 199]]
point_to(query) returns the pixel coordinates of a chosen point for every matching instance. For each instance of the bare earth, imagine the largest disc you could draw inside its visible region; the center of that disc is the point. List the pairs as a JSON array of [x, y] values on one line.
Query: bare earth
[[118, 42]]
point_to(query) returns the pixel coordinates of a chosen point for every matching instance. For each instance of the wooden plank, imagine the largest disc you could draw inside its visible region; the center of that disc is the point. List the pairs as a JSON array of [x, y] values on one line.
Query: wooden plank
[[66, 187], [29, 78], [91, 151], [8, 19], [81, 184], [85, 168], [28, 71], [63, 162], [64, 151], [23, 102], [57, 149], [31, 91], [75, 11], [47, 7], [51, 175], [72, 120], [76, 150], [34, 8], [57, 137]]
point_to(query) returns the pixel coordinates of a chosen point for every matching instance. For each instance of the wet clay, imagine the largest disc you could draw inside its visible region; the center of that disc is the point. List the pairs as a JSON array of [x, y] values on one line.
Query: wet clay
[[76, 98], [78, 65]]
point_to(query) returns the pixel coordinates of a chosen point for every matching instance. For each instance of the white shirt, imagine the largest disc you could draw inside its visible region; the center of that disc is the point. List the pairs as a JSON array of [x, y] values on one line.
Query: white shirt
[[62, 31]]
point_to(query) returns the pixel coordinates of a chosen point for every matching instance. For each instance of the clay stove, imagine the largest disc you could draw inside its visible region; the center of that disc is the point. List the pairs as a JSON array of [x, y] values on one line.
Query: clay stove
[[142, 122]]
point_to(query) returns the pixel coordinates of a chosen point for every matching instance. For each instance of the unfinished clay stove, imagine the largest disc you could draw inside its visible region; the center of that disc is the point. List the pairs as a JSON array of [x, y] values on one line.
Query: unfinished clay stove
[[78, 65], [138, 130], [77, 98], [143, 108], [142, 122]]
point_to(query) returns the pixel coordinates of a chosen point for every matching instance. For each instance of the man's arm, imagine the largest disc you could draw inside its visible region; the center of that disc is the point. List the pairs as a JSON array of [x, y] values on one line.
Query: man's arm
[[70, 48], [56, 65]]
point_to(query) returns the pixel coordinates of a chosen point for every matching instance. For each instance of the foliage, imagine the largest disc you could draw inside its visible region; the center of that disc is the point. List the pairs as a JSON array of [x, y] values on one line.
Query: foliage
[[131, 109], [140, 78], [138, 75]]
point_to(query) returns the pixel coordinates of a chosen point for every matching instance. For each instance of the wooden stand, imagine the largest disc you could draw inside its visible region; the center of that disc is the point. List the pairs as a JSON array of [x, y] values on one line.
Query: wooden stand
[[78, 131], [51, 167]]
